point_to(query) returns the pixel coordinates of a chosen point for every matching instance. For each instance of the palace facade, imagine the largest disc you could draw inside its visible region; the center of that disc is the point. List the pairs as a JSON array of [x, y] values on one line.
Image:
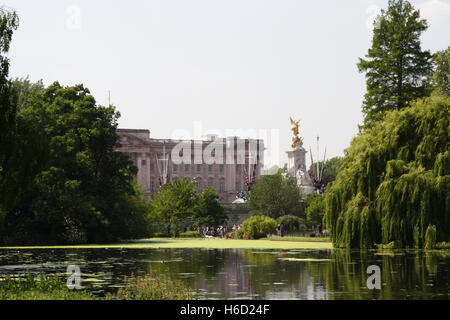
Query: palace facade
[[226, 164]]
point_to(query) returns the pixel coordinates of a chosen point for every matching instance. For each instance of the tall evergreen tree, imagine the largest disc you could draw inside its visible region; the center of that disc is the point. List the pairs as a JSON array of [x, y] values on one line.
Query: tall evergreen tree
[[397, 69]]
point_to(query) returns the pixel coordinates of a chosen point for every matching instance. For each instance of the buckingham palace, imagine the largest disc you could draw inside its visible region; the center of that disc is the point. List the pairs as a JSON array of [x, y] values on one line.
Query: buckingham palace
[[228, 165]]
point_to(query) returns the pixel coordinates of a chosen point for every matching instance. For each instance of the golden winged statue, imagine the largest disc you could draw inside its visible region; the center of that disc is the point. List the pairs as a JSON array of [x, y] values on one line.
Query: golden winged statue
[[296, 140]]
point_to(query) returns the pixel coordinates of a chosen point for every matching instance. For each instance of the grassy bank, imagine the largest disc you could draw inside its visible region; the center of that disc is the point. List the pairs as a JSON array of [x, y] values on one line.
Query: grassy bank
[[268, 243]]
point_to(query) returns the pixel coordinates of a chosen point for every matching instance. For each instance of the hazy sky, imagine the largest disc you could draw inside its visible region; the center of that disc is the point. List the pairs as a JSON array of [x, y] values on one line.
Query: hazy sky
[[230, 64]]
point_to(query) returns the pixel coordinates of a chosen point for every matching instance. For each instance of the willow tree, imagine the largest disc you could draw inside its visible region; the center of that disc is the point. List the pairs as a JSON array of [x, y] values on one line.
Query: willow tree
[[394, 183], [397, 69]]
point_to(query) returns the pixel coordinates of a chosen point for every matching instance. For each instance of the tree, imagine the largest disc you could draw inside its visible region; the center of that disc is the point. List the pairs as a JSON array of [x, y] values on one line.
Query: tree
[[315, 209], [397, 69], [175, 201], [257, 227], [8, 111], [275, 196], [25, 88], [209, 212], [292, 224], [394, 183], [441, 75], [73, 183]]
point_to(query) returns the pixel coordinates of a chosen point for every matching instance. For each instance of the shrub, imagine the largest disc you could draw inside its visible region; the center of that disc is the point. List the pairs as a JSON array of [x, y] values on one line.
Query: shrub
[[191, 234], [240, 234], [257, 227], [152, 287], [292, 224]]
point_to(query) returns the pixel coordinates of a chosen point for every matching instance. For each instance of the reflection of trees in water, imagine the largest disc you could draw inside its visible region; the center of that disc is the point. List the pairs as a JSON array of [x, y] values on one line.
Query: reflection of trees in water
[[188, 265], [273, 278], [231, 280], [403, 274], [229, 273]]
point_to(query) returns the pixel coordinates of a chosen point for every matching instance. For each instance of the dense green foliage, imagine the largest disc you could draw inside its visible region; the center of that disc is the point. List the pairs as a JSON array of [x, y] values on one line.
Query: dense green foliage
[[8, 109], [175, 201], [292, 224], [395, 180], [441, 75], [209, 212], [257, 227], [276, 196], [315, 209], [72, 187], [393, 186], [178, 200], [397, 69]]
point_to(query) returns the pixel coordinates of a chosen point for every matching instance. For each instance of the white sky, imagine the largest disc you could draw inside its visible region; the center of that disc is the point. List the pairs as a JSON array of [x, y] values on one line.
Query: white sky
[[231, 64]]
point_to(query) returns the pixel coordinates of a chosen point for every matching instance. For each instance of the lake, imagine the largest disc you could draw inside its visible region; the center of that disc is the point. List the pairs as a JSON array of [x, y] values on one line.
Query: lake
[[249, 273]]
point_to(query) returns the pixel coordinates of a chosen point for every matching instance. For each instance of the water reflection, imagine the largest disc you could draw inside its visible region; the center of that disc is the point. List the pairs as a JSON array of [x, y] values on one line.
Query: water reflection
[[250, 274]]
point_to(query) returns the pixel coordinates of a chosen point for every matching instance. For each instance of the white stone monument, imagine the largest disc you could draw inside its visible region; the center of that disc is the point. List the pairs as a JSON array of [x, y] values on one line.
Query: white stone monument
[[297, 161]]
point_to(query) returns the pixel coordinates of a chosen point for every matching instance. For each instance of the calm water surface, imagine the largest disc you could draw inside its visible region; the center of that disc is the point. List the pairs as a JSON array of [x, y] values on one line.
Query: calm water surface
[[247, 273]]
